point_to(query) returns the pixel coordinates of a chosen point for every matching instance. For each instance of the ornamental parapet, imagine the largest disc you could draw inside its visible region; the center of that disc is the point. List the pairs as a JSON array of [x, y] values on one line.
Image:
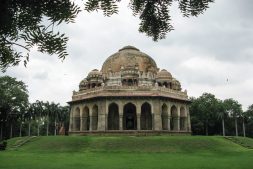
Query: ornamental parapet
[[121, 91]]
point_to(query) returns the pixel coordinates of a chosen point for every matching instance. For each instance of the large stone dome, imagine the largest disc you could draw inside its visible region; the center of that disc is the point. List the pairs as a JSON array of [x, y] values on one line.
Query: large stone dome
[[129, 56]]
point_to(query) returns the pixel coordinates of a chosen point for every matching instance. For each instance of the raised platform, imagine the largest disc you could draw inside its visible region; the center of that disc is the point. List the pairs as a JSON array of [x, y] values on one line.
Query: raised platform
[[130, 132]]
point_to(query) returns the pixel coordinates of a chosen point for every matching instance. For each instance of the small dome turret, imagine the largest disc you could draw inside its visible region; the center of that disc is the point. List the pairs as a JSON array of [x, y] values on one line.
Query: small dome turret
[[83, 84], [176, 84], [164, 74]]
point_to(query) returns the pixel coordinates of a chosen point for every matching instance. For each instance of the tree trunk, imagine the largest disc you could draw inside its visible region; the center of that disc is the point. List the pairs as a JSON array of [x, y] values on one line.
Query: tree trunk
[[29, 128], [38, 132], [236, 129], [47, 125], [243, 128], [207, 127], [55, 127], [20, 130], [11, 131], [223, 127]]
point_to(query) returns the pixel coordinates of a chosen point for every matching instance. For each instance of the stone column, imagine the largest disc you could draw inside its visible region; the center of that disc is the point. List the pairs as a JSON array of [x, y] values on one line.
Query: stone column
[[101, 116], [120, 116], [138, 121], [168, 123], [91, 119], [120, 122], [157, 122], [178, 124], [138, 114], [81, 120]]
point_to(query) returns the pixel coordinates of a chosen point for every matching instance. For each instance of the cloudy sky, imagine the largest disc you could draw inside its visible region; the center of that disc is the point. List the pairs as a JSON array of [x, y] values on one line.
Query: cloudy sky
[[211, 53]]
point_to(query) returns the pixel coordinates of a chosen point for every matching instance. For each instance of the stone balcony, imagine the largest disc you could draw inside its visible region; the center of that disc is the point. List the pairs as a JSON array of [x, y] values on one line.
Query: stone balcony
[[129, 91]]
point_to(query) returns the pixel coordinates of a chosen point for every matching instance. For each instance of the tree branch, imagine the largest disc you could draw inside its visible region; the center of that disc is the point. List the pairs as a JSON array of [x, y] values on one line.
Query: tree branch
[[13, 43]]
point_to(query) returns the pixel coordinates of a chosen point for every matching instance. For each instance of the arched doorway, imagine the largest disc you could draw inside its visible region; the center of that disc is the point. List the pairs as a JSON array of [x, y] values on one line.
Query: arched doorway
[[94, 116], [183, 121], [146, 117], [86, 119], [164, 117], [129, 117], [174, 119], [113, 117], [77, 119]]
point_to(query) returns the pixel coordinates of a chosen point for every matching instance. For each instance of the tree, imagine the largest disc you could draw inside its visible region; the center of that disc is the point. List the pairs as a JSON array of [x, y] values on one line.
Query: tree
[[234, 109], [208, 107], [222, 114], [47, 113], [13, 101], [64, 117], [248, 118], [197, 124], [25, 24]]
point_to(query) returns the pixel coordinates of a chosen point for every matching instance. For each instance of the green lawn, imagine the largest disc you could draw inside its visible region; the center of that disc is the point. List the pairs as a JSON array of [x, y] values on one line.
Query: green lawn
[[126, 152]]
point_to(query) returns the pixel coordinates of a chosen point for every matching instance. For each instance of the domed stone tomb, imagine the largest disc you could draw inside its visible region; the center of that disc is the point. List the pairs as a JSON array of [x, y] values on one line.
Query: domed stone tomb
[[130, 94]]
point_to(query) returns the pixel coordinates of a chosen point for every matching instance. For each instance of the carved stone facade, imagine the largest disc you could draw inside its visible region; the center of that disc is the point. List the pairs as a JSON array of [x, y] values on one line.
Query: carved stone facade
[[129, 94]]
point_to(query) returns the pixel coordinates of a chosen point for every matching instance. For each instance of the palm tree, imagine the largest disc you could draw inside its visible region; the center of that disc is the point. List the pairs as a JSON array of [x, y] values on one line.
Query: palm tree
[[55, 113], [63, 115], [47, 110], [221, 114], [21, 118], [29, 116], [38, 112], [234, 109], [244, 117], [247, 116]]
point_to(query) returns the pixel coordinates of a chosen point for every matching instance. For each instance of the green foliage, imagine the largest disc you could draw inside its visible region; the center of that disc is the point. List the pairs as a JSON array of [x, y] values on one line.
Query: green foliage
[[3, 145], [208, 112], [203, 110], [233, 107], [13, 100], [25, 24]]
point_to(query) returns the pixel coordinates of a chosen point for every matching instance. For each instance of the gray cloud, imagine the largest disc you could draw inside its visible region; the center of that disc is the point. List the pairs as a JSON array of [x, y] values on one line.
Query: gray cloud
[[202, 53]]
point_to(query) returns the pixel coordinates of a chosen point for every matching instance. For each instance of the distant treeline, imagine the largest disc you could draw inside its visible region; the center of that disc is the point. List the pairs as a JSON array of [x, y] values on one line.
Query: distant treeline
[[212, 116]]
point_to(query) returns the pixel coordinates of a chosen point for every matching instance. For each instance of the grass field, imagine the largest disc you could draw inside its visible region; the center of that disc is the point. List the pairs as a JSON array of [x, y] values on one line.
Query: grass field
[[126, 152]]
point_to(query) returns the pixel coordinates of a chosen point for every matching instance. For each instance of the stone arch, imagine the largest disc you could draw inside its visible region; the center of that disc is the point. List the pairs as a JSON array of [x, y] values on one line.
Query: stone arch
[[174, 118], [164, 117], [165, 84], [86, 118], [129, 117], [183, 119], [94, 116], [113, 117], [77, 119], [146, 117]]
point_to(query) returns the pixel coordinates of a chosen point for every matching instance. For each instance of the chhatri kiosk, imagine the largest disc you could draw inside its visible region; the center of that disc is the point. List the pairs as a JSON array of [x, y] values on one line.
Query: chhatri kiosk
[[130, 94]]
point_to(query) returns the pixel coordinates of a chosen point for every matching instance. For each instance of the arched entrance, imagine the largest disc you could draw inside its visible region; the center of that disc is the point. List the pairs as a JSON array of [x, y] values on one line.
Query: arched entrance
[[146, 117], [86, 119], [77, 119], [164, 116], [183, 119], [129, 117], [174, 119], [113, 117]]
